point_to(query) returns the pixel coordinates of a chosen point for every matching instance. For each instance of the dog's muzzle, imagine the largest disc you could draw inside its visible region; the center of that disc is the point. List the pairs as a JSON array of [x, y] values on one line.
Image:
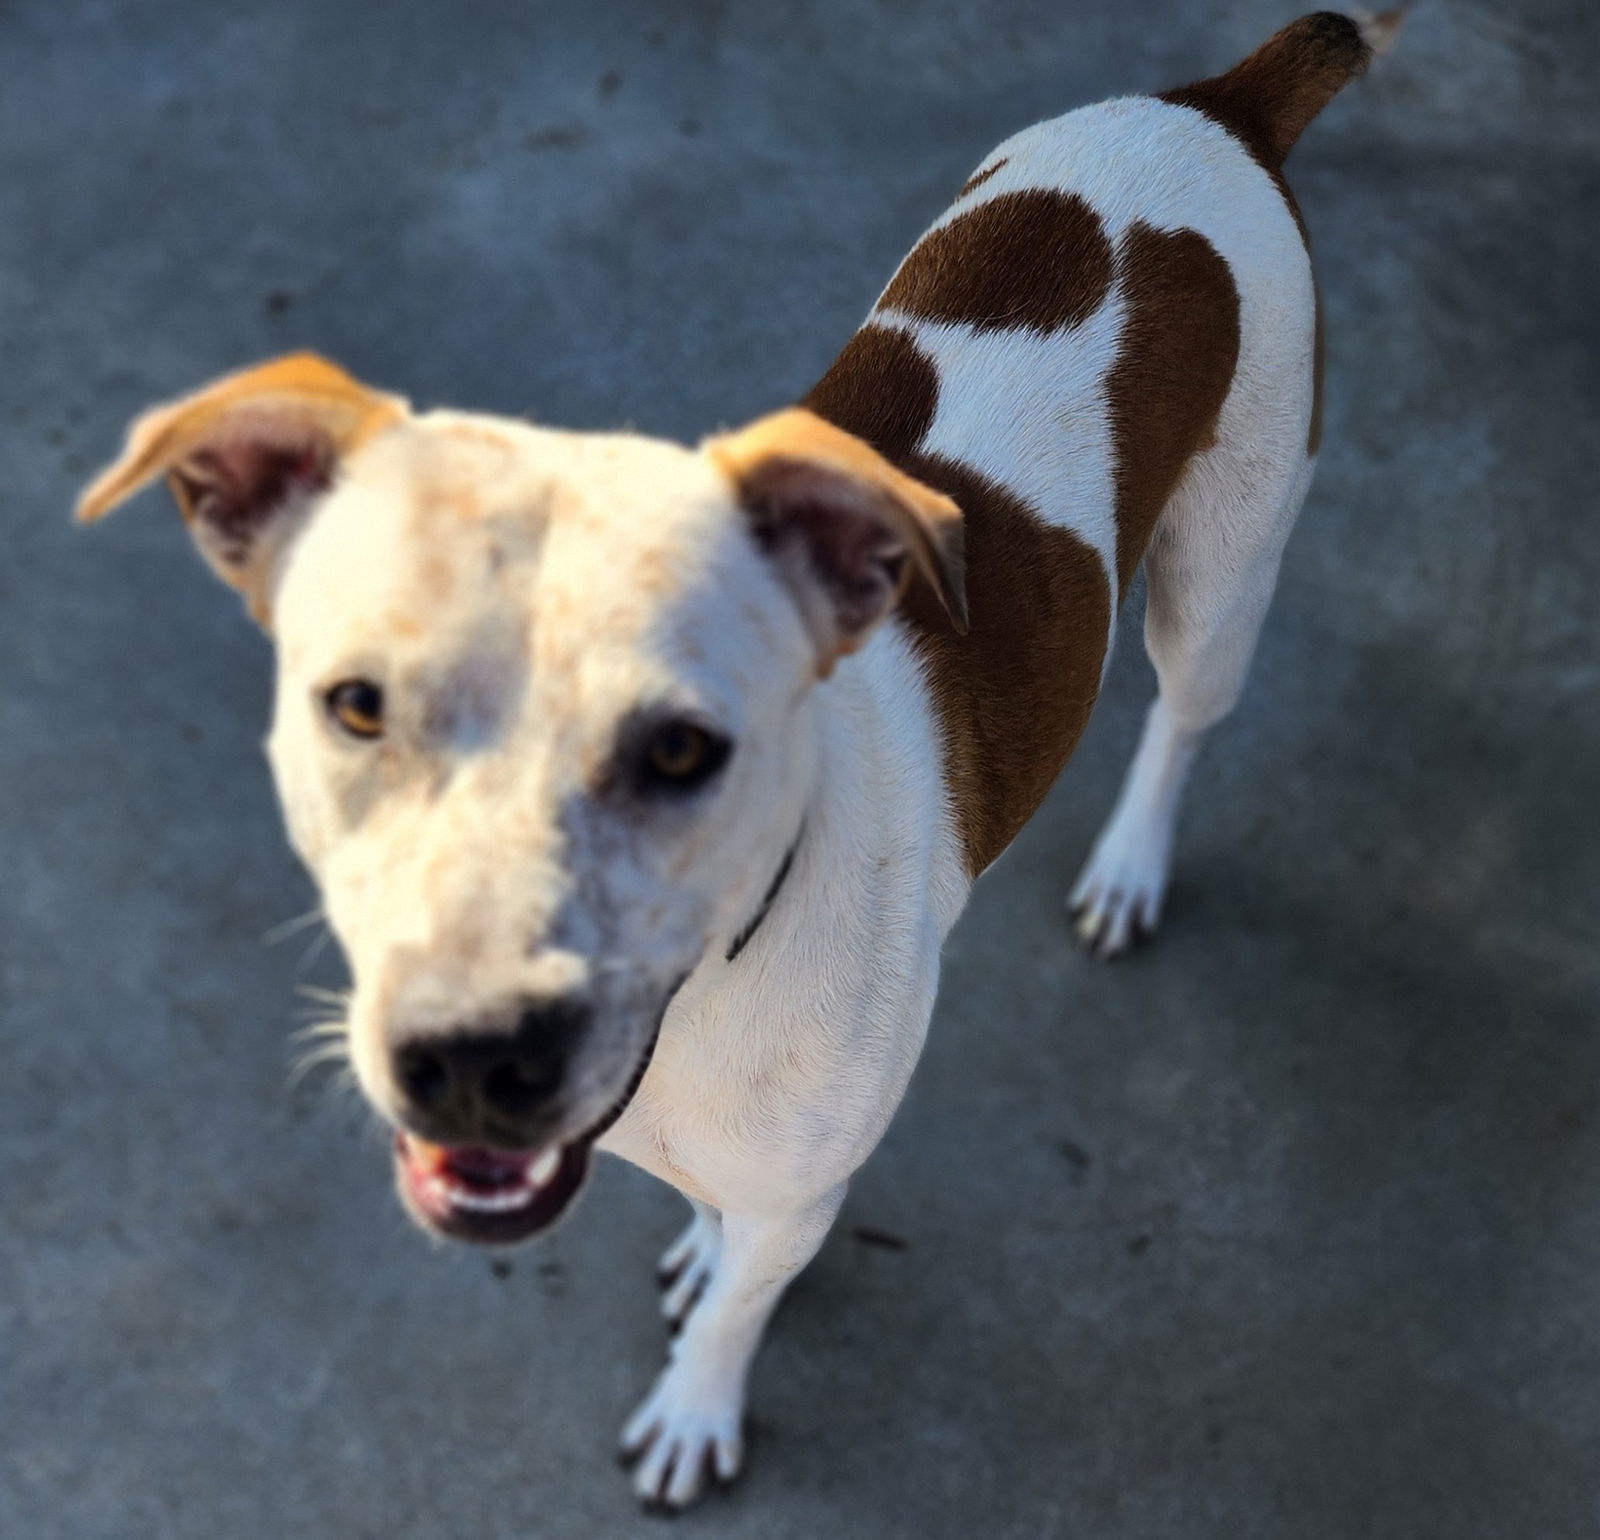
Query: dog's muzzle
[[495, 1195], [475, 1162]]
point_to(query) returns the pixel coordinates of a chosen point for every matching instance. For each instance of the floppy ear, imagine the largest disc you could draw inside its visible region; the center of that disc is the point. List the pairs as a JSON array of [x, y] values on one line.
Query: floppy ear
[[245, 457], [845, 526]]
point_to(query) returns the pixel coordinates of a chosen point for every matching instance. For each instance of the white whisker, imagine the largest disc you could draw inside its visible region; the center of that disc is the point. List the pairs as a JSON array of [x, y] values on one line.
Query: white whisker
[[314, 951], [327, 1027], [339, 997], [334, 1053], [292, 927]]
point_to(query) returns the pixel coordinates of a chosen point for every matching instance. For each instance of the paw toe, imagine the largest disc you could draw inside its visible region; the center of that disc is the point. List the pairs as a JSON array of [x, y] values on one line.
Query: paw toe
[[681, 1444], [1110, 920], [685, 1292]]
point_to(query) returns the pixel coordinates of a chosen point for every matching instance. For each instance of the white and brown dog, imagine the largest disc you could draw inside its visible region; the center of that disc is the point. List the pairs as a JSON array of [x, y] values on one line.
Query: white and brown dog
[[644, 783]]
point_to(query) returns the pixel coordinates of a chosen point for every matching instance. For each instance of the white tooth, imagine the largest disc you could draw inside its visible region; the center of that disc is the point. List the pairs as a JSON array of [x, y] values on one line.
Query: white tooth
[[490, 1202], [543, 1170]]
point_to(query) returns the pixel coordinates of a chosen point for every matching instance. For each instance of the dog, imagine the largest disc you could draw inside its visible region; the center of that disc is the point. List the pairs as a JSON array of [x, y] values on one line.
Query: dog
[[643, 784]]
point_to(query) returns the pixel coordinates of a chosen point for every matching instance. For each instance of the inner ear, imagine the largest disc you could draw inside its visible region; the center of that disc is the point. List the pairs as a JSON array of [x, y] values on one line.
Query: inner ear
[[846, 536], [843, 524], [230, 492]]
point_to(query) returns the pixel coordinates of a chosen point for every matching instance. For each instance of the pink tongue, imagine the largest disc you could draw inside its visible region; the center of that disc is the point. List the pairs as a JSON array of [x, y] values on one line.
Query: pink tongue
[[490, 1168]]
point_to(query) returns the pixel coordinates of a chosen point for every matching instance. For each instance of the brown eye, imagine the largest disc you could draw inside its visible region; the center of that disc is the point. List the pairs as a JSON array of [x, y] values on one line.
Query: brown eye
[[357, 706], [683, 755]]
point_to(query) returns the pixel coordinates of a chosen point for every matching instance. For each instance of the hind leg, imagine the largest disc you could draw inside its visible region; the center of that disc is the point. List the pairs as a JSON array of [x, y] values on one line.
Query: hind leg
[[1211, 568]]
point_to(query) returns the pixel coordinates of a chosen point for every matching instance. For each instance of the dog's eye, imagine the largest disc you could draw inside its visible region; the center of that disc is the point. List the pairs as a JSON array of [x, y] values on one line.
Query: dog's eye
[[682, 755], [357, 706]]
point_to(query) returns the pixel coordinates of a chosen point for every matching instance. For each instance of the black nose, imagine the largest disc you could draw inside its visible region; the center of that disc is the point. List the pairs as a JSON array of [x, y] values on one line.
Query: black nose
[[490, 1083]]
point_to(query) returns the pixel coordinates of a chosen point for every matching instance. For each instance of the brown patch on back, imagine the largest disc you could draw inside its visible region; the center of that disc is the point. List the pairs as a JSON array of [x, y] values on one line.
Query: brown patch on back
[[1037, 259], [978, 178], [882, 388], [1175, 363], [1013, 695], [1268, 99]]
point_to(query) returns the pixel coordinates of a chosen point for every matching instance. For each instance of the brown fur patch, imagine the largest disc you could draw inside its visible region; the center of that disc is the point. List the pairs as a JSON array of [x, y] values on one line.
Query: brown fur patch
[[1268, 99], [1036, 259], [978, 178], [1011, 697], [1175, 362], [882, 388]]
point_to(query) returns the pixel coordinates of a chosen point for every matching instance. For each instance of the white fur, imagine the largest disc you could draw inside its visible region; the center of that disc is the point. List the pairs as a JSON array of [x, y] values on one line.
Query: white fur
[[534, 586]]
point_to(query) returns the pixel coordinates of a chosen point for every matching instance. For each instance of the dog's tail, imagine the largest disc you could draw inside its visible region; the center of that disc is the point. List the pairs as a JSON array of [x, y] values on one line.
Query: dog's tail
[[1268, 99]]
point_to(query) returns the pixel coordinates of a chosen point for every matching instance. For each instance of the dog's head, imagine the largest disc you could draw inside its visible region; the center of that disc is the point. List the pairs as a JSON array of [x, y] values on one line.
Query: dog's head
[[544, 725]]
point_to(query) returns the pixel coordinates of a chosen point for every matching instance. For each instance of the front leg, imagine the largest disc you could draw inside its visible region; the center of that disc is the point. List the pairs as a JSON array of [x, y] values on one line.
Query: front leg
[[687, 1265], [692, 1421]]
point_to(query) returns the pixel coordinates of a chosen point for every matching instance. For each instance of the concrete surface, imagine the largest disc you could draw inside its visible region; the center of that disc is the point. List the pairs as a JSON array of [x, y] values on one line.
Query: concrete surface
[[1289, 1227]]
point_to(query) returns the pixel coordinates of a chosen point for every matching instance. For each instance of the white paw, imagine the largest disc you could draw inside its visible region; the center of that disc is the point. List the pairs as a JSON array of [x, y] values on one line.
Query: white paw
[[684, 1436], [686, 1267], [1118, 897]]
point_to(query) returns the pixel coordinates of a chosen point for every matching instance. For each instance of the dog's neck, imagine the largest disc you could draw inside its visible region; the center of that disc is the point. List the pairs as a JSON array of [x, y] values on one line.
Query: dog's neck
[[879, 789]]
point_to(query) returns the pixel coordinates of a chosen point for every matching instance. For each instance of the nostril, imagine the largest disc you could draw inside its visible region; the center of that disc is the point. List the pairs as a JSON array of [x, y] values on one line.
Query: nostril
[[517, 1086], [423, 1076]]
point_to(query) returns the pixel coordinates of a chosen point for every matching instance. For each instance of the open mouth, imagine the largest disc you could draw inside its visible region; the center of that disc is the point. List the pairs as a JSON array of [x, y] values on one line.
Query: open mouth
[[493, 1197]]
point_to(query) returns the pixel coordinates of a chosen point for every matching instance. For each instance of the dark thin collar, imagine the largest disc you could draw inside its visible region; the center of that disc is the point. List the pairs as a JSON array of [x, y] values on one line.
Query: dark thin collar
[[742, 940]]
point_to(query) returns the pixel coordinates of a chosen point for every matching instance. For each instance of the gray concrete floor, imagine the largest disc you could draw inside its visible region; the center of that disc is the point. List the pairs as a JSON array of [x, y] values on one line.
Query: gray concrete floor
[[1290, 1226]]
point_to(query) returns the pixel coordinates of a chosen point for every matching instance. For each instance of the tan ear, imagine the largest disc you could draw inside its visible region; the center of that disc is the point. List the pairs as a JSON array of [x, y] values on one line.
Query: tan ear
[[813, 490], [245, 457]]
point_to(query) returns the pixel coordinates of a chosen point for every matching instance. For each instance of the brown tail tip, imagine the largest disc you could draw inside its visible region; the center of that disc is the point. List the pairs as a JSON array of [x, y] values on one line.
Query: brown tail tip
[[1268, 99]]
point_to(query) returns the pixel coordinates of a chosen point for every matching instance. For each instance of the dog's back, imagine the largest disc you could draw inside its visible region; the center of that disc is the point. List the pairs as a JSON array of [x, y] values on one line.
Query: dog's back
[[1115, 316]]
